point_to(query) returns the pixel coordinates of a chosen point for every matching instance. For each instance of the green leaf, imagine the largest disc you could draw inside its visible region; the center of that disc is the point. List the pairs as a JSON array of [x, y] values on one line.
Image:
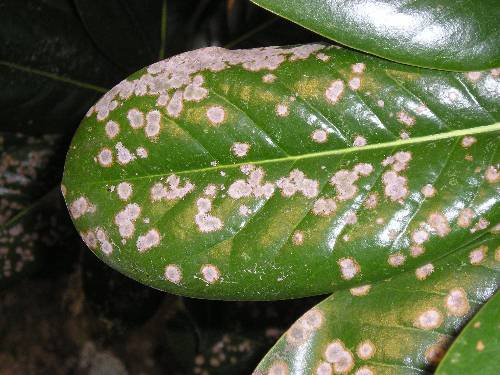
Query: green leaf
[[400, 326], [476, 350], [243, 175], [456, 35]]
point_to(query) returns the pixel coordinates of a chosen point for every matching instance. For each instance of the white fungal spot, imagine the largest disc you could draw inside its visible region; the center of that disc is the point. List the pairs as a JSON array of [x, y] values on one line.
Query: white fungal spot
[[173, 273], [174, 107], [478, 255], [253, 186], [324, 207], [195, 91], [468, 141], [344, 180], [404, 135], [180, 73], [240, 149], [152, 128], [210, 273], [112, 129], [126, 218], [428, 191], [405, 118], [135, 118], [395, 186], [365, 350], [491, 175], [149, 240], [268, 78], [319, 136], [102, 238], [334, 91], [423, 272], [439, 223], [216, 115], [351, 218], [355, 83], [365, 370], [333, 351], [312, 320], [298, 238], [162, 100], [358, 68], [80, 207], [141, 152], [324, 368], [371, 201], [210, 190], [123, 154], [171, 190], [465, 218], [416, 250], [399, 161], [359, 141], [456, 302], [396, 259], [206, 223], [323, 57], [278, 368], [380, 103], [297, 182], [480, 225], [348, 267], [341, 358], [473, 76], [124, 190], [244, 210], [362, 290], [90, 239], [105, 157], [282, 110], [429, 319]]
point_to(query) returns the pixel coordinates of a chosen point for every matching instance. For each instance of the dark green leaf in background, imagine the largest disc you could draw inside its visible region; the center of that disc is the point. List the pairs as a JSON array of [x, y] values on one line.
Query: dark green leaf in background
[[31, 220], [277, 173], [460, 35]]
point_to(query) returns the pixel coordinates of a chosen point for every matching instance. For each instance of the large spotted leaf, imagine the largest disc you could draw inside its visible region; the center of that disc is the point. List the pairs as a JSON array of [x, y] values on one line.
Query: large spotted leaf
[[454, 35], [477, 348], [400, 326], [284, 172]]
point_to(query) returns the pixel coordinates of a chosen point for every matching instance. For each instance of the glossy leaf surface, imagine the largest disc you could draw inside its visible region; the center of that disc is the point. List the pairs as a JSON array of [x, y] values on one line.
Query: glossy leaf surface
[[284, 172], [456, 35], [400, 326], [477, 349]]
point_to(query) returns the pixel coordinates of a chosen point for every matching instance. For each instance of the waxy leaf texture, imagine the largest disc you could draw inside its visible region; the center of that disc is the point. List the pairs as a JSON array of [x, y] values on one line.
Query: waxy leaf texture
[[457, 35], [399, 326], [282, 172]]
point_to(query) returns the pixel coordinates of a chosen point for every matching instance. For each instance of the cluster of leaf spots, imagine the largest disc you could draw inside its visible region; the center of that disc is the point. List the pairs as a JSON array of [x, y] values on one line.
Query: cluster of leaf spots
[[22, 226], [182, 173], [354, 333], [477, 343]]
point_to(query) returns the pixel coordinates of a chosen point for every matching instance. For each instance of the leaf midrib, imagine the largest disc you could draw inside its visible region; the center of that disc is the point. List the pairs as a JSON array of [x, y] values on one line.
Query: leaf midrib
[[400, 142]]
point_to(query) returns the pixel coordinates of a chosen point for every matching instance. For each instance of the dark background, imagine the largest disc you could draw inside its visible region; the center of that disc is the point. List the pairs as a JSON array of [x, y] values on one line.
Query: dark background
[[62, 311]]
